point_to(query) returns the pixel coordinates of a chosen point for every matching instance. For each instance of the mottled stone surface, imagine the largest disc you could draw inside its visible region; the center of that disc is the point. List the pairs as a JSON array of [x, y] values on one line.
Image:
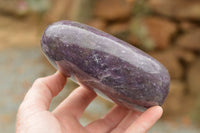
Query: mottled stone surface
[[160, 30], [178, 9], [152, 32], [174, 99], [120, 9], [190, 40], [193, 78], [98, 60]]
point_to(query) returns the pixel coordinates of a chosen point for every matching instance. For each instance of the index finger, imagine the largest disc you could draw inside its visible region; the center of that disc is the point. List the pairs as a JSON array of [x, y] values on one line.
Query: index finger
[[146, 120], [43, 90]]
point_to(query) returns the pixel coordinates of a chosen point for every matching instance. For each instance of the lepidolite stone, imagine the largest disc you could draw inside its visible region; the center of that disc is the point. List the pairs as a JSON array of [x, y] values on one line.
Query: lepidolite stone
[[100, 61]]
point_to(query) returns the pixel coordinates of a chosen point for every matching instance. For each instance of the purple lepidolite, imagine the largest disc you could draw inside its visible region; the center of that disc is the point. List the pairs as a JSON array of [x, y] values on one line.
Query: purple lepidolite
[[100, 61]]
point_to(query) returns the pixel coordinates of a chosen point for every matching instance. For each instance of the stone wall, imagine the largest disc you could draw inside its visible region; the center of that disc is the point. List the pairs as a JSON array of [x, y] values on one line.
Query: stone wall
[[169, 30]]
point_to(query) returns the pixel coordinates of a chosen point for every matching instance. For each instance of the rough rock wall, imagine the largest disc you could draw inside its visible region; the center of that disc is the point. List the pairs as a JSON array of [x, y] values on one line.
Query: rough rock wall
[[169, 30]]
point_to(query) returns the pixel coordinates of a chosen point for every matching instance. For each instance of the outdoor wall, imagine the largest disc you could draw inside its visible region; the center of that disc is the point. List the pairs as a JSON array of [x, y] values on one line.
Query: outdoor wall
[[169, 30]]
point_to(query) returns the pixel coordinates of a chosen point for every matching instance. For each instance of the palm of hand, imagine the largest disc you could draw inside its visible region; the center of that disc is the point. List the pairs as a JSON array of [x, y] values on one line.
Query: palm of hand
[[33, 115]]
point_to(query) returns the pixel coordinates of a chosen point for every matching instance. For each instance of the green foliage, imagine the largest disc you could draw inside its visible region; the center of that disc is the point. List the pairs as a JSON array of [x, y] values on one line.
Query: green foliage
[[141, 8], [84, 10], [141, 33], [40, 6]]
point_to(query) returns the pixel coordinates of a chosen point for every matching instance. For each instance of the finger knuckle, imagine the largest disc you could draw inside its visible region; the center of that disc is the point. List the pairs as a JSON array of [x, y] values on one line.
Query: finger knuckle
[[38, 81]]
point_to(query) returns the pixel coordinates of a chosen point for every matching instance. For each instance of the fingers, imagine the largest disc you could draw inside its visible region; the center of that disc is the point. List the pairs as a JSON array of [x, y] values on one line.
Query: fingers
[[110, 120], [127, 121], [42, 91], [146, 120], [76, 103]]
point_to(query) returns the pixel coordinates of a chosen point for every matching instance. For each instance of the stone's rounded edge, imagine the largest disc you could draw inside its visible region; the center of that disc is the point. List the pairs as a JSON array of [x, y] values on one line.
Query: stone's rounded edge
[[45, 50], [134, 104], [52, 56], [95, 31], [142, 57], [138, 108], [99, 93], [167, 86]]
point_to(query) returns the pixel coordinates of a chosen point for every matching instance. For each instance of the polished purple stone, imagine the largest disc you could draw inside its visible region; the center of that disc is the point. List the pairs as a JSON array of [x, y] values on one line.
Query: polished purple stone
[[100, 61]]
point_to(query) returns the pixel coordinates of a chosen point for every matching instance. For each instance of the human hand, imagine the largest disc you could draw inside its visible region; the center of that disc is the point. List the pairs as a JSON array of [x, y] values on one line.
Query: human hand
[[34, 117]]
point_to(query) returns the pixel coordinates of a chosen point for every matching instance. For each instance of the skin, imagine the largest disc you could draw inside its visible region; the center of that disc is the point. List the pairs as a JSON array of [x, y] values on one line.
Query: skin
[[34, 115]]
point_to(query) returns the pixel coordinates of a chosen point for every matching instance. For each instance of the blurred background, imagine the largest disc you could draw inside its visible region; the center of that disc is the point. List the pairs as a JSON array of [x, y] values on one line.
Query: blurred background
[[169, 30]]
